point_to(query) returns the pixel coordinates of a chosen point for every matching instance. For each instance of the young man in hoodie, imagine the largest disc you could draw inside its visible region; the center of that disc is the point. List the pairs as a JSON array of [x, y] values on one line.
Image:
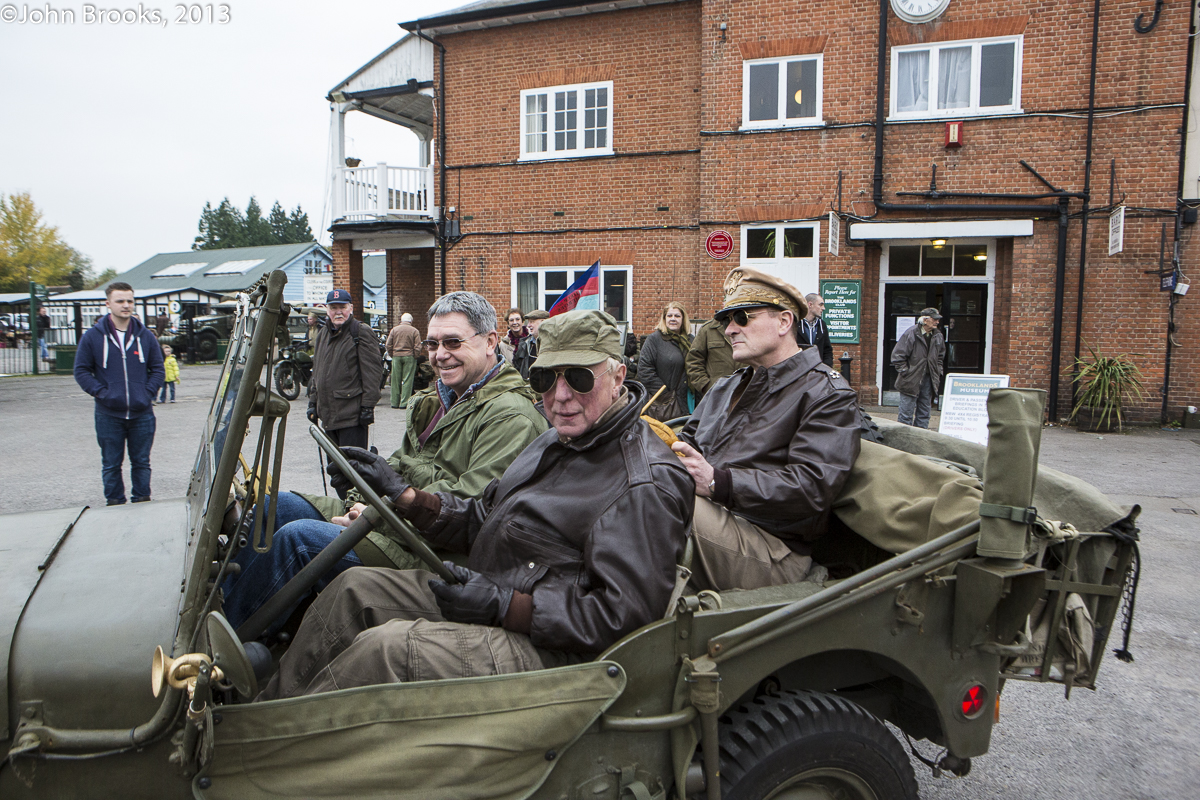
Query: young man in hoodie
[[120, 364]]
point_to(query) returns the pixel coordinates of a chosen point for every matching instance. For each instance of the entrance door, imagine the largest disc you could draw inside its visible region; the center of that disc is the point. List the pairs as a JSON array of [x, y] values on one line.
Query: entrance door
[[964, 324]]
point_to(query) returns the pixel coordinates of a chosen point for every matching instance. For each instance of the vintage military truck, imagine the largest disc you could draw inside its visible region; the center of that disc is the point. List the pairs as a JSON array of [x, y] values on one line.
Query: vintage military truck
[[747, 694]]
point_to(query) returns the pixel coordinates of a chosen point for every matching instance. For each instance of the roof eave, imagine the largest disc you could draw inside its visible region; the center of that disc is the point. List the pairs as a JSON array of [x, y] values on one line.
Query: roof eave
[[518, 13]]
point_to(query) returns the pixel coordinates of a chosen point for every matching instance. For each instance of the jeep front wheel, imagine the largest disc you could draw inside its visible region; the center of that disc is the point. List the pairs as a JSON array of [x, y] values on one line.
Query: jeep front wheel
[[803, 744]]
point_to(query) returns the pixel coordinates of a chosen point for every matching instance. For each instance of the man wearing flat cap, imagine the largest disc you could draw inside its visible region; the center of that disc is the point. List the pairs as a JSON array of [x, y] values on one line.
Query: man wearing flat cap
[[527, 350], [574, 547], [769, 447], [918, 358], [347, 373]]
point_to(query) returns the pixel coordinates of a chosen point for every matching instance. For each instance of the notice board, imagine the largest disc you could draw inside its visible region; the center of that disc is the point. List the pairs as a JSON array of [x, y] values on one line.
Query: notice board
[[843, 310], [964, 406]]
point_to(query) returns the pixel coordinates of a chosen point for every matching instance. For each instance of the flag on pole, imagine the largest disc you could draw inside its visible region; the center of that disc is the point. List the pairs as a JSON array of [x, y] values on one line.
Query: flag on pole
[[584, 293]]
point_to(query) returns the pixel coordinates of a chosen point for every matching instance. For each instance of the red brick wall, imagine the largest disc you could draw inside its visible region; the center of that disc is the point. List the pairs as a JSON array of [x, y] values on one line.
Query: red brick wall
[[347, 272], [677, 105], [411, 285]]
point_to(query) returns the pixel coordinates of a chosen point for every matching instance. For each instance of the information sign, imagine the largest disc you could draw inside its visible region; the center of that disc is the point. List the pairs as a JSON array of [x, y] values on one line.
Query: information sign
[[1116, 230], [964, 406], [317, 288], [843, 310], [719, 244], [835, 233]]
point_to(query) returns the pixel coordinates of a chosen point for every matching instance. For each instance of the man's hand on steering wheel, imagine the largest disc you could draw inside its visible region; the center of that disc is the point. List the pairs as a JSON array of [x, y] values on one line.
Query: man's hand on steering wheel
[[374, 470]]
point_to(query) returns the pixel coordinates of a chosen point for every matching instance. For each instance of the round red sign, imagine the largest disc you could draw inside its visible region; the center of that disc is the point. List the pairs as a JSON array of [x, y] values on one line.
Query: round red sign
[[719, 244]]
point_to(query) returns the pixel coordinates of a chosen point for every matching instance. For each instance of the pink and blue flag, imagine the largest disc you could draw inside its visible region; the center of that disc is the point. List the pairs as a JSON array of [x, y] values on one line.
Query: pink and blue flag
[[584, 293]]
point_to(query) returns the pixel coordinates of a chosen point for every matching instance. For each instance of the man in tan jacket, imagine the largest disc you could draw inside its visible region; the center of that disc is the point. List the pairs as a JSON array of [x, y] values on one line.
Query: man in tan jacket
[[403, 345]]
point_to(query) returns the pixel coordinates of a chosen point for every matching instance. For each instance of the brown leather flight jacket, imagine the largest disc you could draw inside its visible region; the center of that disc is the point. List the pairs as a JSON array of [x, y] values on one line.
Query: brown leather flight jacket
[[788, 444], [591, 527]]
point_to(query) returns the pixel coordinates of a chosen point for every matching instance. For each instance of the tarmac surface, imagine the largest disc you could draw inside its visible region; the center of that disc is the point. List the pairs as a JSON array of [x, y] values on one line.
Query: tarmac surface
[[1134, 737]]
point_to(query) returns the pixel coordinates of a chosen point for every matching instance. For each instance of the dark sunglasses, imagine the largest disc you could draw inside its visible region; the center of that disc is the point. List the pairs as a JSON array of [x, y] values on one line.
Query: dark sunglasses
[[451, 343], [580, 379], [740, 316]]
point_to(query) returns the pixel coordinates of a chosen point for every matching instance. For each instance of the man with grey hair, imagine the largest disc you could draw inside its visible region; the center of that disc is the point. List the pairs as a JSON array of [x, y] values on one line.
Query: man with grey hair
[[918, 358], [403, 345], [461, 434], [813, 331]]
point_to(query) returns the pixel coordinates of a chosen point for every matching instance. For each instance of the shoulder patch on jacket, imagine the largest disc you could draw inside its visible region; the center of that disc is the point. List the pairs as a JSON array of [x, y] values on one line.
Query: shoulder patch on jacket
[[637, 460], [836, 381]]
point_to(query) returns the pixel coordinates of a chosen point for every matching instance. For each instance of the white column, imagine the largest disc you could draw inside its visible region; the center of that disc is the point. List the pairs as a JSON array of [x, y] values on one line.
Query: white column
[[381, 189], [337, 179]]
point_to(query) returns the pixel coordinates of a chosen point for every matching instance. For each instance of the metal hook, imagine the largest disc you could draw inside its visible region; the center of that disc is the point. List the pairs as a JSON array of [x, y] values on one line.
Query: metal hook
[[1137, 23]]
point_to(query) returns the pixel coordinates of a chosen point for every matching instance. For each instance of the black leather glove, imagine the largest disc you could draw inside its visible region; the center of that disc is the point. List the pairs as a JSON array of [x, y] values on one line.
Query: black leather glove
[[373, 468], [475, 600], [366, 416], [311, 414]]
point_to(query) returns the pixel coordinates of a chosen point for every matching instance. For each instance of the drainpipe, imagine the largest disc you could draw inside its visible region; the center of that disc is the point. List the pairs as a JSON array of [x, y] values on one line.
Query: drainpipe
[[1060, 287], [1087, 185], [880, 78], [441, 151]]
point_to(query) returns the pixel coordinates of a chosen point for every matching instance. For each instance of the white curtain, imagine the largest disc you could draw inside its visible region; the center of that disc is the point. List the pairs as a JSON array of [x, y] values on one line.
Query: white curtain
[[954, 77], [912, 81]]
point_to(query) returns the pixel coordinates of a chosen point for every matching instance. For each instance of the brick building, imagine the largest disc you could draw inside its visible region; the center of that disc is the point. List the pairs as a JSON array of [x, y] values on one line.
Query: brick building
[[951, 154]]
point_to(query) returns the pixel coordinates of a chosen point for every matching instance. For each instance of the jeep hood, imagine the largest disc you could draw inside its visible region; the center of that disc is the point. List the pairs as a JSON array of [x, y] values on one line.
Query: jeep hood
[[85, 595]]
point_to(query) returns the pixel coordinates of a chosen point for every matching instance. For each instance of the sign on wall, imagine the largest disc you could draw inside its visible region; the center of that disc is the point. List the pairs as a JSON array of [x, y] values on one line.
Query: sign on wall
[[719, 245], [835, 233], [317, 288], [964, 406], [843, 301], [1116, 230]]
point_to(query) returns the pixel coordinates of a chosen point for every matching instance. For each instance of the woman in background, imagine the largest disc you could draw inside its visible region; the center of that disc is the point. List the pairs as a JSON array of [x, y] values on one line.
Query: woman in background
[[661, 364]]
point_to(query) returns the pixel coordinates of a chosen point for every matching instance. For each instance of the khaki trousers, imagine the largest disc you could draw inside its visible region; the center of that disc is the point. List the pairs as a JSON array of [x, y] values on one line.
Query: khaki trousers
[[373, 626], [732, 553]]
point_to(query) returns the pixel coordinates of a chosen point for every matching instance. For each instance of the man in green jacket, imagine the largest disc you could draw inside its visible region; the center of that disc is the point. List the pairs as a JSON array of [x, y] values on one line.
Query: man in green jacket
[[461, 434], [710, 359]]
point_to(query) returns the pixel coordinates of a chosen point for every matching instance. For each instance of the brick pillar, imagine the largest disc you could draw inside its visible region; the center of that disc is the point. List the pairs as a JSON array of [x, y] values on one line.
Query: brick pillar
[[347, 272], [412, 286]]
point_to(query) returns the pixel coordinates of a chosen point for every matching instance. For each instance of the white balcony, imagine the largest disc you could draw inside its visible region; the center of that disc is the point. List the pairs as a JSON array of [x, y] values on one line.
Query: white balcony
[[367, 194]]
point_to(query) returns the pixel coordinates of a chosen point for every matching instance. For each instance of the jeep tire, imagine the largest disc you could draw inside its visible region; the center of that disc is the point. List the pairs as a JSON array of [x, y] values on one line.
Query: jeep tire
[[206, 346], [803, 741]]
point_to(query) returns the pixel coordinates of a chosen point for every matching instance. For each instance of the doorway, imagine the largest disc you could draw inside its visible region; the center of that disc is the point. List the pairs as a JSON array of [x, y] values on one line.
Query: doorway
[[964, 324]]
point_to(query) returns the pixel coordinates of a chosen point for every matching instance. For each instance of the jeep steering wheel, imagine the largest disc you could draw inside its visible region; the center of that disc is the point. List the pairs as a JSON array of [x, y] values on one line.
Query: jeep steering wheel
[[383, 507]]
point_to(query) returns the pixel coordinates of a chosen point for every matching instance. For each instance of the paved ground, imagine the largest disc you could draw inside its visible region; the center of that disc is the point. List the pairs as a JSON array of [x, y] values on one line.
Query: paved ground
[[1135, 737]]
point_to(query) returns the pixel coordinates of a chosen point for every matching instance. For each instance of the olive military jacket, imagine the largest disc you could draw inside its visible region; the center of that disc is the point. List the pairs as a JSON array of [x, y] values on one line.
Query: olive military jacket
[[787, 445], [347, 374], [591, 527], [711, 357]]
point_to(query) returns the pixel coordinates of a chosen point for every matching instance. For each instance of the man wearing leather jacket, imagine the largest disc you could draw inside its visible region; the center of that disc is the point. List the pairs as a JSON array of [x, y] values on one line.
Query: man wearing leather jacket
[[574, 547], [769, 447]]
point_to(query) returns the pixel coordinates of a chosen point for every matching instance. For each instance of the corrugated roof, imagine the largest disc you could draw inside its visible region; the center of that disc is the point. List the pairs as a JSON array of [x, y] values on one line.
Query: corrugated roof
[[215, 271]]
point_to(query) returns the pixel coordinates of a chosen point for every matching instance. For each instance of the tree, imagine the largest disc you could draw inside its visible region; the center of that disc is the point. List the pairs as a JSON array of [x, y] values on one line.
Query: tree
[[107, 276], [30, 249], [226, 226]]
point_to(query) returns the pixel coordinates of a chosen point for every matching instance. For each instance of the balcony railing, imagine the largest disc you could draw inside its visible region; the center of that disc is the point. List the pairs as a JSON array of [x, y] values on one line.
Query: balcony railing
[[383, 192]]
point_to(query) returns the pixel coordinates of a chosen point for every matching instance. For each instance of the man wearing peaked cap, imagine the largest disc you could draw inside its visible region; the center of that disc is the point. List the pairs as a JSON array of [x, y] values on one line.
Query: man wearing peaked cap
[[769, 447], [347, 373], [574, 547]]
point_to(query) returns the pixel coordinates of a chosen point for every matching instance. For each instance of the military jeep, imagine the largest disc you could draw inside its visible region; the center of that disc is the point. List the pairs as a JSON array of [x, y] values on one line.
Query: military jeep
[[744, 694]]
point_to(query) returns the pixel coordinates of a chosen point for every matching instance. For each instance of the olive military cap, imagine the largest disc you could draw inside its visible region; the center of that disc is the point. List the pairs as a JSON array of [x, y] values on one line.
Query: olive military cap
[[539, 314], [577, 339], [749, 288]]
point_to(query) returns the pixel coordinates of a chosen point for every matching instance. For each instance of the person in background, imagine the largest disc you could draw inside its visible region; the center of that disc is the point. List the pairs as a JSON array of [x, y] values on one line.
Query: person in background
[[43, 325], [403, 345], [527, 350], [813, 332], [119, 363], [710, 359], [516, 328], [347, 372], [918, 358], [171, 370], [661, 363]]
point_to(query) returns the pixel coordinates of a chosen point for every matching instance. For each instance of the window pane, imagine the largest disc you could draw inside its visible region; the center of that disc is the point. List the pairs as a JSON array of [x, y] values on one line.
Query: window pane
[[527, 291], [798, 242], [912, 81], [802, 89], [760, 243], [996, 74], [904, 260], [556, 281], [970, 259], [550, 299], [535, 123], [615, 282], [937, 260], [565, 123], [595, 118], [954, 77], [764, 92]]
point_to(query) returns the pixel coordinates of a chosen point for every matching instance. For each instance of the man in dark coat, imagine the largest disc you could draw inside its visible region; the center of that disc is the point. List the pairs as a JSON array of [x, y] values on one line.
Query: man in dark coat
[[769, 447], [918, 357], [527, 350], [813, 331], [573, 548], [347, 373]]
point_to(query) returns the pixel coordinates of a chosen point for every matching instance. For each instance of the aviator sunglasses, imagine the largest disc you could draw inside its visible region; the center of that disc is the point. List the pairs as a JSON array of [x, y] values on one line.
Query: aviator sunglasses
[[740, 316], [580, 379], [450, 343]]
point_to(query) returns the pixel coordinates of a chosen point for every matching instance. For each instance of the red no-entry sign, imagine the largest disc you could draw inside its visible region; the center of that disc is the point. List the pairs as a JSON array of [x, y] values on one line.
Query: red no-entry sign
[[719, 244]]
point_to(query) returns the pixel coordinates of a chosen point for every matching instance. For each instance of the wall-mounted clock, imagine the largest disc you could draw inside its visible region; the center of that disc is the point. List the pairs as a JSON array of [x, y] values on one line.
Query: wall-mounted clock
[[917, 11]]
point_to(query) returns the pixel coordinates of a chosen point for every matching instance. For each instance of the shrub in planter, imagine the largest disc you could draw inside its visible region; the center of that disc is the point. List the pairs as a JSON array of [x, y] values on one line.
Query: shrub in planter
[[1104, 384]]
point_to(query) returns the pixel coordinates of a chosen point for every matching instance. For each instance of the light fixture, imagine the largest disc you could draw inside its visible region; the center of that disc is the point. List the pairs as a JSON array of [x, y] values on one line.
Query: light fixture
[[981, 256], [938, 243]]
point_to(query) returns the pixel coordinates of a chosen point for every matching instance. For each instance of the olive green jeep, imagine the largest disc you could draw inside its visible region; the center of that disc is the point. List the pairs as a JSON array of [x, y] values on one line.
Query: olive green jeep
[[774, 692]]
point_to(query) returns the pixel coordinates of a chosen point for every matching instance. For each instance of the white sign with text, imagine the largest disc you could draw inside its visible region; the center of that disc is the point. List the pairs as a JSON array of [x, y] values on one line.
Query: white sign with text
[[963, 407], [317, 288]]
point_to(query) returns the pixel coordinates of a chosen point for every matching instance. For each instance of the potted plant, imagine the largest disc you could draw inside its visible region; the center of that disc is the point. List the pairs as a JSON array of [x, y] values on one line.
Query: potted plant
[[1104, 384]]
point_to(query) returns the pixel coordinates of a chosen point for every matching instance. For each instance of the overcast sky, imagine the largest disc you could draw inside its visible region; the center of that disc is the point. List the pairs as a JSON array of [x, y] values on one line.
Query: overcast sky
[[121, 133]]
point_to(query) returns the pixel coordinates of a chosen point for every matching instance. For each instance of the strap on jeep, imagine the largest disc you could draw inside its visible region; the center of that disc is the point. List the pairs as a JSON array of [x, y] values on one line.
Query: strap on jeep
[[1025, 516]]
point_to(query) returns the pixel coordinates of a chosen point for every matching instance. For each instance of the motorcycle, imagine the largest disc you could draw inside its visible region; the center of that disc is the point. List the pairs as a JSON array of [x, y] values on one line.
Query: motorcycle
[[293, 371]]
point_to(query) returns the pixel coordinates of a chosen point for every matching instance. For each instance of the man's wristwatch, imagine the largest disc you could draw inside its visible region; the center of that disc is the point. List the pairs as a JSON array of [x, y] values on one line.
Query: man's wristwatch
[[712, 486]]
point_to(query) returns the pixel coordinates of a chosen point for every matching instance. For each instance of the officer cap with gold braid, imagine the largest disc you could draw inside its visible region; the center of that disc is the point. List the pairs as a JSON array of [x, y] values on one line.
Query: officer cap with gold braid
[[749, 288]]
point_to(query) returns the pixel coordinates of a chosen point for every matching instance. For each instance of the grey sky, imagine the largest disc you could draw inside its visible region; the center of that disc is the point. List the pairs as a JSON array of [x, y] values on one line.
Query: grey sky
[[121, 133]]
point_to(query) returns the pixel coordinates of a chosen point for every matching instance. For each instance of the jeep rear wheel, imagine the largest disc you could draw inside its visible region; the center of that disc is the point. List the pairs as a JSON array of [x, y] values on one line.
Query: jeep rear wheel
[[802, 745]]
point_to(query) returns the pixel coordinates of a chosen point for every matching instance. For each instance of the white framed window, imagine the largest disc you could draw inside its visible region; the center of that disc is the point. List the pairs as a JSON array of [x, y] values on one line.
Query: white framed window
[[782, 92], [936, 261], [788, 250], [957, 79], [538, 288], [567, 121]]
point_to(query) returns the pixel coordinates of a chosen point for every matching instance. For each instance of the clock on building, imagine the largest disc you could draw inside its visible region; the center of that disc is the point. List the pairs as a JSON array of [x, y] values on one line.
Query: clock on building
[[919, 10]]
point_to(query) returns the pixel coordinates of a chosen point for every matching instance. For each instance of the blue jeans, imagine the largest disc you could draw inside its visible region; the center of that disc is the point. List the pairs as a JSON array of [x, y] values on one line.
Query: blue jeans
[[301, 532], [914, 410], [113, 435], [45, 350], [162, 397]]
